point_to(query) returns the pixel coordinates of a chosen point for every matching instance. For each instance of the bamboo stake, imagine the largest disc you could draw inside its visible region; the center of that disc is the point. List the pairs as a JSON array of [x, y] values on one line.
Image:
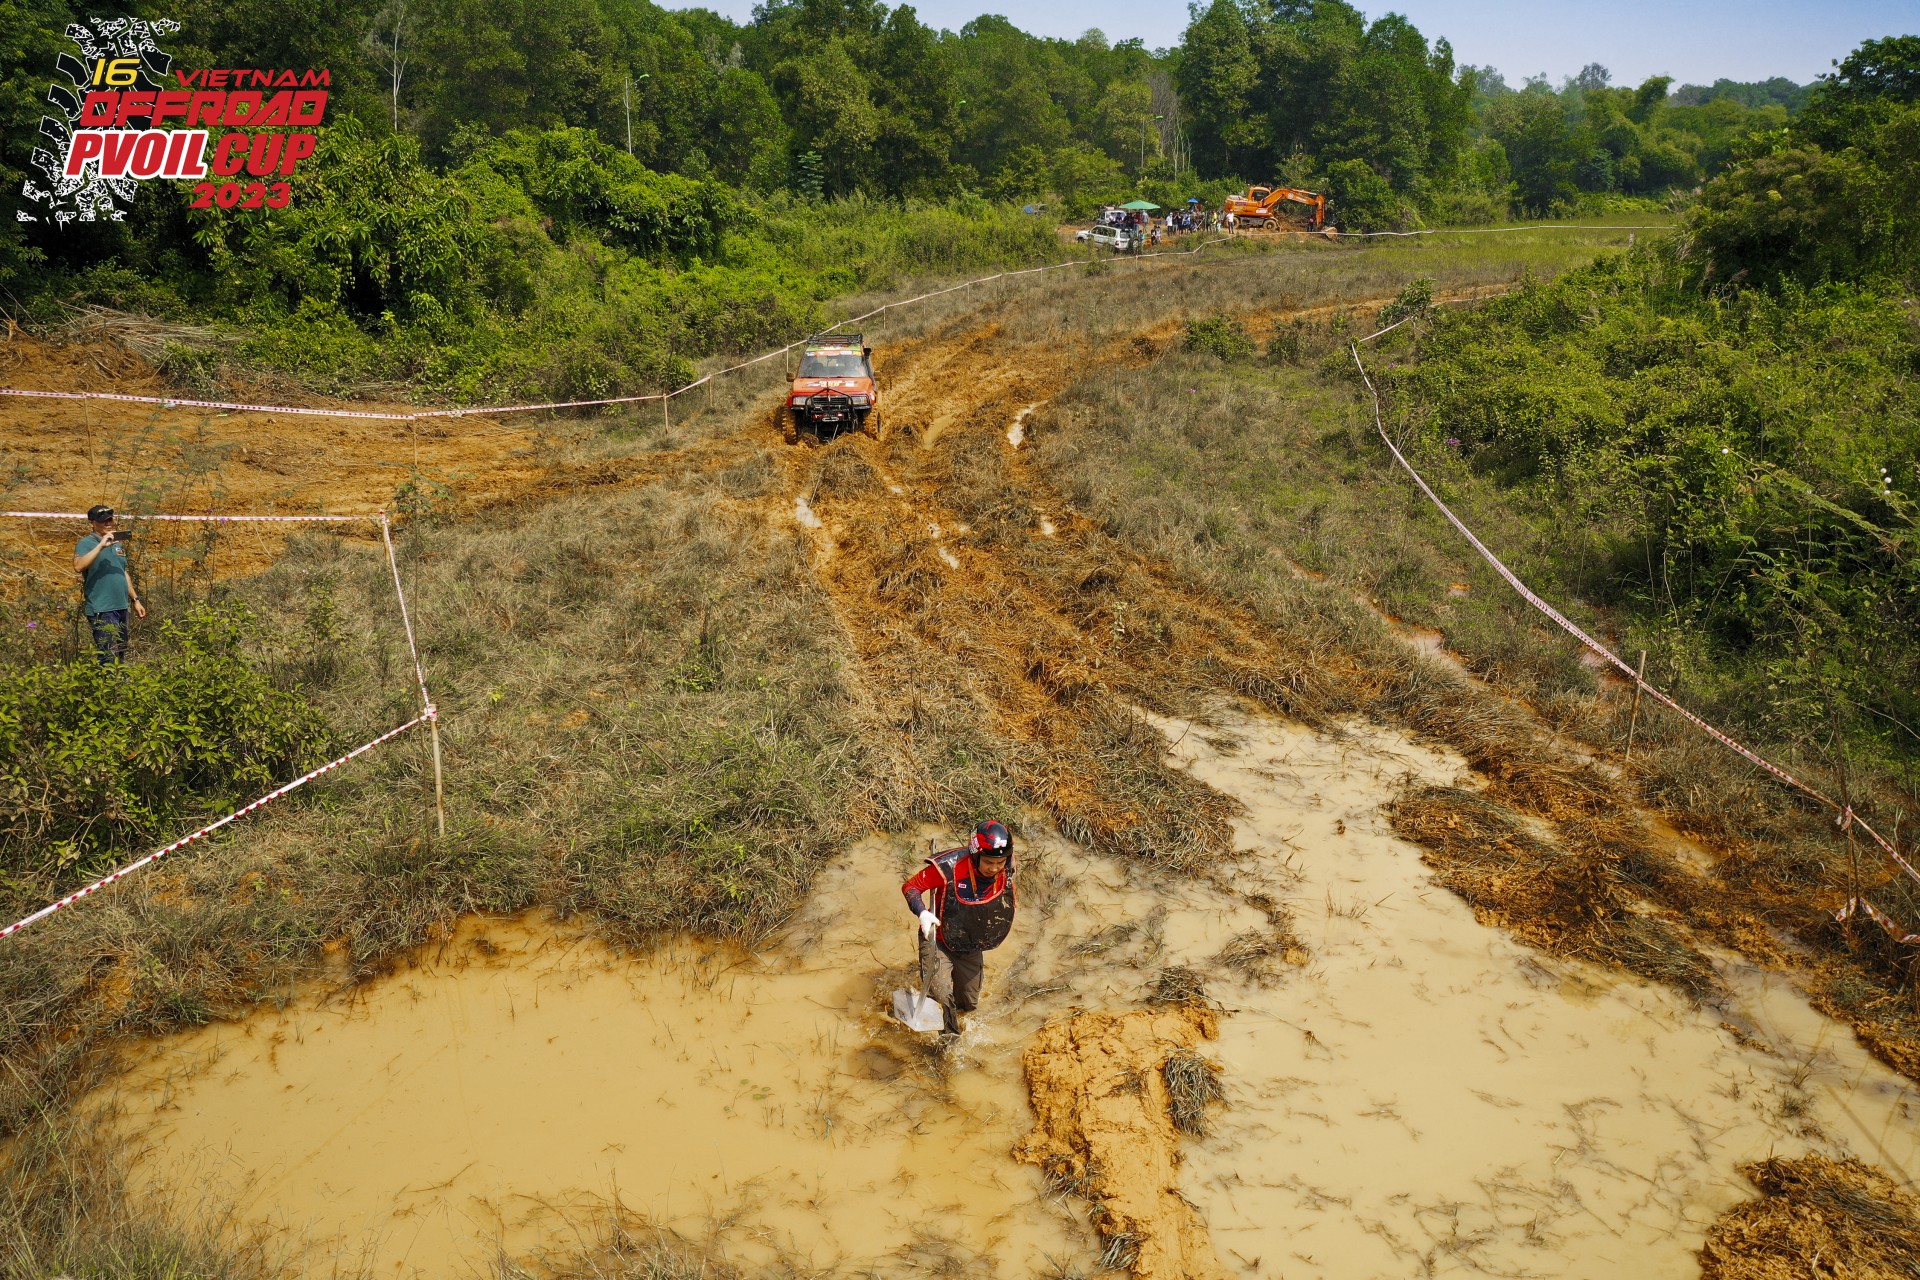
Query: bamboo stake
[[439, 788], [1634, 722], [1846, 802], [420, 674]]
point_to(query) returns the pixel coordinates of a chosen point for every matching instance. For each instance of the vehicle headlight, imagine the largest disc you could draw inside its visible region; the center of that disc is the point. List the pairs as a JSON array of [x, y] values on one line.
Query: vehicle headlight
[[858, 399], [797, 401]]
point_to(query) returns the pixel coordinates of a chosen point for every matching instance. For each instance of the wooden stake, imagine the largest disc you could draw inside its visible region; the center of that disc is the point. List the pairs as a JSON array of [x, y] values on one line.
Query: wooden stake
[[665, 421], [1634, 722], [1846, 800], [439, 790], [426, 703]]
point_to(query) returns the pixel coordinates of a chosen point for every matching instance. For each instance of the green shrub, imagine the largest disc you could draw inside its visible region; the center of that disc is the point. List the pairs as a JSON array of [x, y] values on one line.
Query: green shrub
[[188, 367], [1468, 207], [543, 264], [1746, 468], [1803, 214], [95, 760], [1796, 214], [1414, 300], [1362, 200], [1221, 336]]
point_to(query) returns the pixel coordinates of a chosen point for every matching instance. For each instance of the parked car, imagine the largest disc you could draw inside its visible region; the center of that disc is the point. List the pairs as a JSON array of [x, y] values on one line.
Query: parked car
[[1118, 239]]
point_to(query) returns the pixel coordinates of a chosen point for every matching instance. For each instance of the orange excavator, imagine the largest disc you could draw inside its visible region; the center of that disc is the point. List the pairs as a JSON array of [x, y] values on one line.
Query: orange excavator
[[1261, 205]]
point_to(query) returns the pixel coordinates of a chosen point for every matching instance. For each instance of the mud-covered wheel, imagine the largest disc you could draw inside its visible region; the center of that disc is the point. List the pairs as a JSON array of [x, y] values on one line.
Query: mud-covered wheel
[[789, 428], [870, 425]]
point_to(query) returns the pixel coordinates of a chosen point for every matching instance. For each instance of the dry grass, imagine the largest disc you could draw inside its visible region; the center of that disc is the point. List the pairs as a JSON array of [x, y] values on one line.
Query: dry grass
[[144, 336], [1178, 984], [1105, 940], [1257, 956], [1119, 1250], [589, 729], [65, 1210], [1816, 1217], [1193, 1085], [1572, 903]]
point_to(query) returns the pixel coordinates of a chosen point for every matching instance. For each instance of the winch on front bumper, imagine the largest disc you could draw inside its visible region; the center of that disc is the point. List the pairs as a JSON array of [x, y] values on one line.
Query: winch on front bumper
[[830, 409]]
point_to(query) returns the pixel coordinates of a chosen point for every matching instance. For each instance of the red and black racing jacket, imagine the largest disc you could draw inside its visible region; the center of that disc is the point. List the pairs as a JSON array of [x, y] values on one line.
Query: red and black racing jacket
[[975, 914]]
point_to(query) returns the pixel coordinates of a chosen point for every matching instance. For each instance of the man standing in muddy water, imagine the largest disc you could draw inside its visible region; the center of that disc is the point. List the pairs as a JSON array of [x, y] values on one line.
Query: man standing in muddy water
[[969, 914]]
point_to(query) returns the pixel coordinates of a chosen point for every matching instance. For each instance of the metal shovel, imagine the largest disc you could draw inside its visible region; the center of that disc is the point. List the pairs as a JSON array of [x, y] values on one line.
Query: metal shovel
[[916, 1011]]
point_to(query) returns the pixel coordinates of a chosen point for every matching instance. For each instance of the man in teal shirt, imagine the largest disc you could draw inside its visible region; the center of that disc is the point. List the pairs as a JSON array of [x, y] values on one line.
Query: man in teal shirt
[[101, 561]]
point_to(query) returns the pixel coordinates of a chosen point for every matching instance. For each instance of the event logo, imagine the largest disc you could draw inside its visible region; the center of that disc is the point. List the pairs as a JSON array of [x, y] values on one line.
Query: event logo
[[110, 132]]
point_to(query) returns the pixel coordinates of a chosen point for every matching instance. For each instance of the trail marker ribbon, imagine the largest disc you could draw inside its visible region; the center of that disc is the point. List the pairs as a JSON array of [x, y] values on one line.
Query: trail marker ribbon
[[241, 812], [429, 714]]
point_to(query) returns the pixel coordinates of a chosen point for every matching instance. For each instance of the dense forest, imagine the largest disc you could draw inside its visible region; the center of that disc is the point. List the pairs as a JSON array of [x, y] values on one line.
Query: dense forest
[[575, 197]]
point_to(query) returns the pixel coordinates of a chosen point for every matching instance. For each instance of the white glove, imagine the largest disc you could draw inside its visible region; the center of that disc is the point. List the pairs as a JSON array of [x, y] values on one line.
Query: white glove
[[928, 923]]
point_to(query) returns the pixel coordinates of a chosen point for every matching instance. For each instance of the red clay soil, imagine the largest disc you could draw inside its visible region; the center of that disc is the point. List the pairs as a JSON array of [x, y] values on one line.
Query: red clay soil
[[1101, 1128]]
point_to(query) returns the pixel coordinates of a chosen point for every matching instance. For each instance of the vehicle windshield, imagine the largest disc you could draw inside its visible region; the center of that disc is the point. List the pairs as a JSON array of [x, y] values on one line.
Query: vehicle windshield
[[833, 364]]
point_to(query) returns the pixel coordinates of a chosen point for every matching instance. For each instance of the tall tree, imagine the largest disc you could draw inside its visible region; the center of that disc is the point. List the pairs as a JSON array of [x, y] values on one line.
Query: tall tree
[[1861, 90], [1217, 77]]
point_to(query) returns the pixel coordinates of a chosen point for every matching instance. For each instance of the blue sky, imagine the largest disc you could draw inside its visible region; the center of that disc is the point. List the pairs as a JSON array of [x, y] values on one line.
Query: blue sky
[[1694, 41]]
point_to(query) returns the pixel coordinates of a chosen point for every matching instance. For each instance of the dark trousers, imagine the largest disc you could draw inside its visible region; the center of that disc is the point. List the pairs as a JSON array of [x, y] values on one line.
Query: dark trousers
[[952, 978], [109, 634]]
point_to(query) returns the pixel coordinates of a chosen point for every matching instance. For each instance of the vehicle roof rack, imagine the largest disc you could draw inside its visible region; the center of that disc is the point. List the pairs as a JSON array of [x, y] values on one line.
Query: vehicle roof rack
[[836, 340]]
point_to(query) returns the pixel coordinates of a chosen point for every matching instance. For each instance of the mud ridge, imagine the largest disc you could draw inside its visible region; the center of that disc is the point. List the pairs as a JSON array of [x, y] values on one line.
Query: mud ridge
[[1102, 1128]]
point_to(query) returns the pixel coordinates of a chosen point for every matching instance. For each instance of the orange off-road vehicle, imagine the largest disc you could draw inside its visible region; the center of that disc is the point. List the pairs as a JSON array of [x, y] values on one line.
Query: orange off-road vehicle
[[833, 390]]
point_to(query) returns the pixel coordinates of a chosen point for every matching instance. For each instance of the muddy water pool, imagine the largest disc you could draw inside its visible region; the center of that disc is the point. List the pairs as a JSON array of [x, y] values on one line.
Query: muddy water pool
[[1420, 1096], [517, 1077], [1429, 1097]]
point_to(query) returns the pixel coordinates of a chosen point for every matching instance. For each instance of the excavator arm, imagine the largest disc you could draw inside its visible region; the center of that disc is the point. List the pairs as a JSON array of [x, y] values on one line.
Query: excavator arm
[[1264, 202]]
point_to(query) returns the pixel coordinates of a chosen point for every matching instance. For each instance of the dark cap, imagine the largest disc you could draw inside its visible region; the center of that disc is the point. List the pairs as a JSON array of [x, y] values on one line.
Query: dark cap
[[102, 512]]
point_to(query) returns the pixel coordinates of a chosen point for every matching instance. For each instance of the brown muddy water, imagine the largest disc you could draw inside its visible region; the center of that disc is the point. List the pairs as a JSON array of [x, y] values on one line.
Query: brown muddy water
[[1420, 1096]]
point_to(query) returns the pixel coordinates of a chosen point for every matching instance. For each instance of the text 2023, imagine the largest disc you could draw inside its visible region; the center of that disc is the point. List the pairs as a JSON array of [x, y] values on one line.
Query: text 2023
[[249, 196]]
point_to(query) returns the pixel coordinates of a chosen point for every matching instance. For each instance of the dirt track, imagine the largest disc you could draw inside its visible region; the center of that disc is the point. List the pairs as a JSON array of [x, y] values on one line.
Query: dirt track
[[66, 455], [949, 557], [943, 551]]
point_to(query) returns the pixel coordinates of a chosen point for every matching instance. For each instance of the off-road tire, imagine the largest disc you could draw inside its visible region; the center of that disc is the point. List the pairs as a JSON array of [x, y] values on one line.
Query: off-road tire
[[789, 425], [870, 425]]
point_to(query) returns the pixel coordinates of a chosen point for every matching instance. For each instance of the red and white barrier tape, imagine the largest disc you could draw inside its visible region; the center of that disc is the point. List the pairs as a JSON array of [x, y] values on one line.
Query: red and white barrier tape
[[1846, 819], [157, 854], [1879, 917], [1485, 231], [173, 402], [81, 515]]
